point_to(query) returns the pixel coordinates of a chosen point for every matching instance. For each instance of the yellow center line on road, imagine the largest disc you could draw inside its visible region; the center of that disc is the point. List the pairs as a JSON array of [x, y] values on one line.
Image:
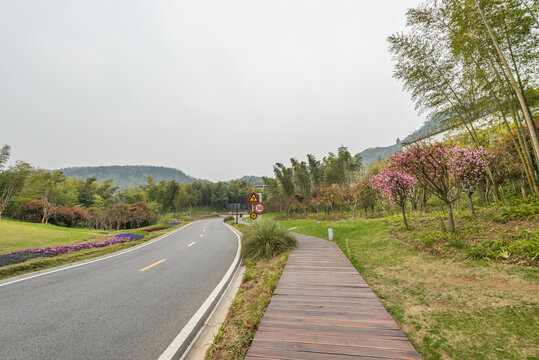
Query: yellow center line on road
[[201, 235], [152, 265], [191, 244]]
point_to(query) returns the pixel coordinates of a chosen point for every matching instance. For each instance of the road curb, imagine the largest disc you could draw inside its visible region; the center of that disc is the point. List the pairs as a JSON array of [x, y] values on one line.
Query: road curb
[[188, 335]]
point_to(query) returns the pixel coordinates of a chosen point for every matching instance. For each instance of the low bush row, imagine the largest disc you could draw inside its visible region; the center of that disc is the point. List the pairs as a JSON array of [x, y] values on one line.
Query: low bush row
[[155, 229]]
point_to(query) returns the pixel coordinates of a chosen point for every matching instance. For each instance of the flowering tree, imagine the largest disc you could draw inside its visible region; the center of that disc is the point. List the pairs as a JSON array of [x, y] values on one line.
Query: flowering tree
[[470, 167], [432, 165], [396, 185]]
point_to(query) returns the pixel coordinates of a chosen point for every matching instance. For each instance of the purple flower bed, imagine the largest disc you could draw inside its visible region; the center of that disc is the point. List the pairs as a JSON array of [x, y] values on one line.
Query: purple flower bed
[[23, 255], [132, 236], [174, 223]]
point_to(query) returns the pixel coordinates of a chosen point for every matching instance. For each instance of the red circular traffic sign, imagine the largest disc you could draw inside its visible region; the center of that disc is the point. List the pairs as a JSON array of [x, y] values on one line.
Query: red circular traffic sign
[[259, 208]]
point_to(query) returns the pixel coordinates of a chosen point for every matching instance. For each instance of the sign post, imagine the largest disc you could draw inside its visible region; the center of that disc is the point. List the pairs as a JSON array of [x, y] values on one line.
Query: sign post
[[257, 208]]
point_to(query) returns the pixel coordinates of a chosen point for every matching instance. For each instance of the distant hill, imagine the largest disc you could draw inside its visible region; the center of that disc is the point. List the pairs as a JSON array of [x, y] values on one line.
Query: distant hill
[[251, 180], [129, 175], [371, 155]]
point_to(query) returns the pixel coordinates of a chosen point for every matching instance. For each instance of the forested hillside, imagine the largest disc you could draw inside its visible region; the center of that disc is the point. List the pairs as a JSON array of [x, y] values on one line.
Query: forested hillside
[[128, 176]]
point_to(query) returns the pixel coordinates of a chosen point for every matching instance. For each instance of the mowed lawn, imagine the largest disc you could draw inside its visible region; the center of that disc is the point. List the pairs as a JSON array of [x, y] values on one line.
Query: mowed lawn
[[15, 235], [449, 308]]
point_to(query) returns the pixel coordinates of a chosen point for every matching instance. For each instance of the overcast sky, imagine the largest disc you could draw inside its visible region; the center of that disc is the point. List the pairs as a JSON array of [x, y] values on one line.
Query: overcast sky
[[218, 89]]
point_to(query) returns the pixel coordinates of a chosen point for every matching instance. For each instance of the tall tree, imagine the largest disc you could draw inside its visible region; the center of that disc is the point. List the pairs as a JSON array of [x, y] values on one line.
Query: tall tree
[[11, 182]]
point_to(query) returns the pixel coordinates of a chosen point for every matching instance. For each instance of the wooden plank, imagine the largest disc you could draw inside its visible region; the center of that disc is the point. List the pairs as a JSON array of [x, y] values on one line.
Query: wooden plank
[[368, 340], [340, 349]]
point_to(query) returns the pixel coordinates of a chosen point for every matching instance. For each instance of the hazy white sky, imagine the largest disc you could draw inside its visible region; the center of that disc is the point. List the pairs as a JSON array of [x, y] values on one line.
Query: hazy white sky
[[218, 89]]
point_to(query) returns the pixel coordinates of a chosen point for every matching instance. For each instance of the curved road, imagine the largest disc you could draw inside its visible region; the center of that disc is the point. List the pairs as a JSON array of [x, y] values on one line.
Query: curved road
[[110, 309]]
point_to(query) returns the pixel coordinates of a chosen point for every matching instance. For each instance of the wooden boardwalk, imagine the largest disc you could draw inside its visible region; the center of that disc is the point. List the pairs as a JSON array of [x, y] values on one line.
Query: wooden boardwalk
[[323, 309]]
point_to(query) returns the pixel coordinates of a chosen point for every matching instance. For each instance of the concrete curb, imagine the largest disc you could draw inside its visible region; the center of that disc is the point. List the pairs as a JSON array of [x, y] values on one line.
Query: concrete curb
[[191, 330]]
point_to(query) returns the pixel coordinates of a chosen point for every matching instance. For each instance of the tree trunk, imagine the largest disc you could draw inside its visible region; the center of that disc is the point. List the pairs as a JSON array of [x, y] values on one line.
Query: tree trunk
[[472, 210], [404, 218], [451, 219]]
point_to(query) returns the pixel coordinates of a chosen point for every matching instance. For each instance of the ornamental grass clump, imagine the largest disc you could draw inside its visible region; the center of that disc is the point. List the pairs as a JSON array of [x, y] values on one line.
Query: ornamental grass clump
[[265, 240]]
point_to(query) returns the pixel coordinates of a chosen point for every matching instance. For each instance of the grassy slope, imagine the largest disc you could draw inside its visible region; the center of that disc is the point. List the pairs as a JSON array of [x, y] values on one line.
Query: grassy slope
[[16, 235], [32, 235], [459, 309]]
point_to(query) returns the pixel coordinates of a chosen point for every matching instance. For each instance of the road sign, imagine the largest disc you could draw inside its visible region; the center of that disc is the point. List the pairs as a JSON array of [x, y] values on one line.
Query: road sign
[[253, 198], [259, 208], [253, 215]]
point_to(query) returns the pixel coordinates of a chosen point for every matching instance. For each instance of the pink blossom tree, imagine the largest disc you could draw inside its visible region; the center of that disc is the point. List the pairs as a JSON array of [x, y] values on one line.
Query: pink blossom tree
[[432, 165], [470, 167], [395, 185]]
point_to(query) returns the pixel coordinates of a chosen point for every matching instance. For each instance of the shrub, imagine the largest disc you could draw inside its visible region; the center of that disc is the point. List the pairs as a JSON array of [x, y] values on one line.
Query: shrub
[[266, 239], [229, 218], [155, 229]]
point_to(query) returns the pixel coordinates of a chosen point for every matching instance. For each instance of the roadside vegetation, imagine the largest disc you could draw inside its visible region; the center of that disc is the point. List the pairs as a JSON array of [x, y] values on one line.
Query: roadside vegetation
[[265, 249], [506, 232], [258, 284], [229, 218], [52, 246], [449, 307], [266, 239]]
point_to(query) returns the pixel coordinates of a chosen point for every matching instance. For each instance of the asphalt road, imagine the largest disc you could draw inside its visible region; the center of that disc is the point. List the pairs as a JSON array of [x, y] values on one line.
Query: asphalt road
[[110, 309]]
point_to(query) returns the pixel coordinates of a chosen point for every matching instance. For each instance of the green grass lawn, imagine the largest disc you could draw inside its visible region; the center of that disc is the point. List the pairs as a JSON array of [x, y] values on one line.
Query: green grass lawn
[[449, 307], [17, 235]]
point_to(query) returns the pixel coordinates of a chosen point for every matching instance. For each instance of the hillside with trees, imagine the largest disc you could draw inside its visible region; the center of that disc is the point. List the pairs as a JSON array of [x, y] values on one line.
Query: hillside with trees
[[36, 195], [126, 176]]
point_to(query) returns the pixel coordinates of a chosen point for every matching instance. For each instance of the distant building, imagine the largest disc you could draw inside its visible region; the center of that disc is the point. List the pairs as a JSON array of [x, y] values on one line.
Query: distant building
[[342, 148]]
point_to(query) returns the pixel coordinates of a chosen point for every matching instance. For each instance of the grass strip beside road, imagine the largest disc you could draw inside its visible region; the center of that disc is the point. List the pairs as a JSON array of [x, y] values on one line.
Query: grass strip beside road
[[18, 235], [450, 308], [258, 284], [80, 255]]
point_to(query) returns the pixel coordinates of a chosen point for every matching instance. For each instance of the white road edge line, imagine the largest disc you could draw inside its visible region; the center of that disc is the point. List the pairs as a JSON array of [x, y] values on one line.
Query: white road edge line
[[182, 337], [202, 328], [85, 262]]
